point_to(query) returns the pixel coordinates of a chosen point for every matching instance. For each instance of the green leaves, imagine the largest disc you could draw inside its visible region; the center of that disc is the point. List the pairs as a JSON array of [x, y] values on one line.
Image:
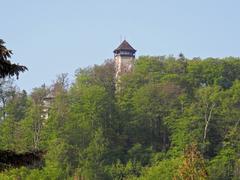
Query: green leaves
[[6, 67], [140, 131]]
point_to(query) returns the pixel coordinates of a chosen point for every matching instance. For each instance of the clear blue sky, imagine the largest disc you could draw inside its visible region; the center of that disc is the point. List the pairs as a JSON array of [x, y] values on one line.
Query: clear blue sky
[[58, 36]]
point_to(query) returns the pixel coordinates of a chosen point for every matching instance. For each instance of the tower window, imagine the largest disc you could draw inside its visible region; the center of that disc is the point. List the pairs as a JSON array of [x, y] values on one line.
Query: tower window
[[126, 53]]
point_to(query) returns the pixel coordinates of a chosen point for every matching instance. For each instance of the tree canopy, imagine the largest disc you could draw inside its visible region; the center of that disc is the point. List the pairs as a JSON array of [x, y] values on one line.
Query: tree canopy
[[7, 68], [172, 118]]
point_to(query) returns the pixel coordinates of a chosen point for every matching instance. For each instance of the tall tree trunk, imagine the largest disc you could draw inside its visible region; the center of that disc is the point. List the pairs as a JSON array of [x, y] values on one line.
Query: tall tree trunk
[[208, 117]]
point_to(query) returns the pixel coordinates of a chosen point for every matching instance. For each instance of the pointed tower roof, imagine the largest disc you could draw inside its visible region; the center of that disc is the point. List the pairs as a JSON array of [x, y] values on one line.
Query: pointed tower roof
[[124, 46]]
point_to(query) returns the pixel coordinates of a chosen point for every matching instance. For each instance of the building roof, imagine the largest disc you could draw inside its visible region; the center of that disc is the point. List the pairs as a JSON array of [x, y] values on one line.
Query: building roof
[[124, 46]]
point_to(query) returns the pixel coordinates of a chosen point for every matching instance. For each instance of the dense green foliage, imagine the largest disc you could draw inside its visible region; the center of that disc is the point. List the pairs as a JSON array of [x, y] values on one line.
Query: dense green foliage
[[171, 118]]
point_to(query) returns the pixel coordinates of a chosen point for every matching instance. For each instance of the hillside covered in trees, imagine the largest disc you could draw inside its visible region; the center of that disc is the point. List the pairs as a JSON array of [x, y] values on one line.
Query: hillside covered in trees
[[171, 118]]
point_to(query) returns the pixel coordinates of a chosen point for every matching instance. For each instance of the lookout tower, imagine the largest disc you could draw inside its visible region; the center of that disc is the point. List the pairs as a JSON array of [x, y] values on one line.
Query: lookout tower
[[124, 57]]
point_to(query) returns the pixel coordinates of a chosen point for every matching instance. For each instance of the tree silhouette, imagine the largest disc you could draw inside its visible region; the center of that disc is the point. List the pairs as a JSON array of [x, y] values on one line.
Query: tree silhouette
[[6, 67]]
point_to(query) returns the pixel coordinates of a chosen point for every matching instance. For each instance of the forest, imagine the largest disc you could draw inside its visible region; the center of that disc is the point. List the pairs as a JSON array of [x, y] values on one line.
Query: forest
[[170, 118]]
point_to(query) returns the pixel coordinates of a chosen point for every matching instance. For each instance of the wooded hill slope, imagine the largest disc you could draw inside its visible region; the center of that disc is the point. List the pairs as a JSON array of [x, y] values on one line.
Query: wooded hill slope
[[171, 118]]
